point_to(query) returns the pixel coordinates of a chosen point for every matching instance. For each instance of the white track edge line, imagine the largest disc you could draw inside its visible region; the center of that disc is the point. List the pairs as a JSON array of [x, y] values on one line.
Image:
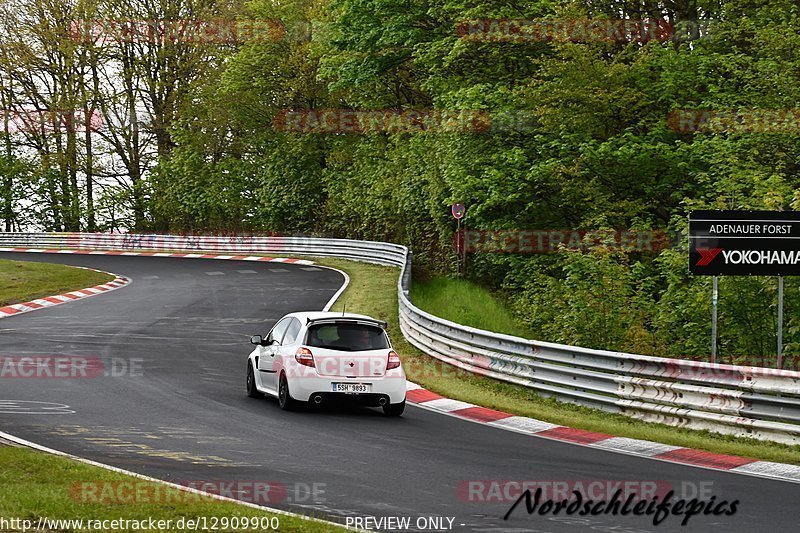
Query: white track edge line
[[52, 451], [341, 289]]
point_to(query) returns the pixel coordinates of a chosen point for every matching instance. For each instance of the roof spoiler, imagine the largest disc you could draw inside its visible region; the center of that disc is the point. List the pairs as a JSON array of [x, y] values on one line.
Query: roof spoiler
[[358, 320]]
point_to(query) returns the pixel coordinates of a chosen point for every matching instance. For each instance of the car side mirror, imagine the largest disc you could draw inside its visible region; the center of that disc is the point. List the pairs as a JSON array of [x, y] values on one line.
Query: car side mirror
[[257, 340]]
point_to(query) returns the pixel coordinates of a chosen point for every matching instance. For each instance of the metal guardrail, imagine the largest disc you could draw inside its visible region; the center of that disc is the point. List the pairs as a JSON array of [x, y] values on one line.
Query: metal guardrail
[[751, 402]]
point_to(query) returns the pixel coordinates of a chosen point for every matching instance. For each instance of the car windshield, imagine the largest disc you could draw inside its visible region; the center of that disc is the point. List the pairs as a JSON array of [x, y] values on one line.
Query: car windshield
[[347, 337]]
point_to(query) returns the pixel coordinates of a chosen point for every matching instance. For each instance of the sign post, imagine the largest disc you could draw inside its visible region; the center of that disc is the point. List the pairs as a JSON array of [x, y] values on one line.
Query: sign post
[[780, 321], [458, 210], [745, 243]]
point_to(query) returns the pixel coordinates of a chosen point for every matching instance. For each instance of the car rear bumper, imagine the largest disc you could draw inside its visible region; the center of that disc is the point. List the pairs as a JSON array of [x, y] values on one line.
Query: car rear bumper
[[366, 399], [391, 387]]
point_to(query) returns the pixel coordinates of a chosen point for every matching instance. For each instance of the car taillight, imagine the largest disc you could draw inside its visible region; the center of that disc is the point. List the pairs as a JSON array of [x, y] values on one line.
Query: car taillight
[[304, 357], [394, 360]]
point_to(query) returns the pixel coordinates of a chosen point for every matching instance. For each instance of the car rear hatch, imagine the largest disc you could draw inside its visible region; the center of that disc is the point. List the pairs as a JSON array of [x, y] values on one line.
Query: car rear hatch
[[336, 363], [348, 347]]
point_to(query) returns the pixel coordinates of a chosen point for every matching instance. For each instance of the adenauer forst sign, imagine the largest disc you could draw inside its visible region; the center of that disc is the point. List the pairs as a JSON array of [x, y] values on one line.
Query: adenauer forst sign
[[733, 243]]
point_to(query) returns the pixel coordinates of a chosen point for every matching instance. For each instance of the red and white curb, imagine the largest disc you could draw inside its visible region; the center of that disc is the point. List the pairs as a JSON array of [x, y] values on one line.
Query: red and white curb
[[640, 448], [161, 254], [50, 301]]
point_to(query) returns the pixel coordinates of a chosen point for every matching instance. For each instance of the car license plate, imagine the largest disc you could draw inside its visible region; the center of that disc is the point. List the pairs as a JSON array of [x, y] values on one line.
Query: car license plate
[[352, 387]]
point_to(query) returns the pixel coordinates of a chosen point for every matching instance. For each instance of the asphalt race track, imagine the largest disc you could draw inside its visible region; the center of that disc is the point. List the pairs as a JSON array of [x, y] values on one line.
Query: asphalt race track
[[177, 340]]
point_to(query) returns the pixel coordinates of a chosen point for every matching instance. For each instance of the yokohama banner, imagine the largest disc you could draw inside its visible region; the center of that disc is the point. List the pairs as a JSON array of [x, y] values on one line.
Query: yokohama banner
[[734, 243]]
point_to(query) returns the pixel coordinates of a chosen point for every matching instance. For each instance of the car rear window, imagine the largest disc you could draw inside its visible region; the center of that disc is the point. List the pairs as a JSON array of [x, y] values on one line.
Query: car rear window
[[347, 337]]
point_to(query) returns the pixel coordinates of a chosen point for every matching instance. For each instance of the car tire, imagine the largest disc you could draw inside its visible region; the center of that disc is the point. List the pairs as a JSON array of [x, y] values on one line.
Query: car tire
[[252, 391], [394, 409], [285, 400]]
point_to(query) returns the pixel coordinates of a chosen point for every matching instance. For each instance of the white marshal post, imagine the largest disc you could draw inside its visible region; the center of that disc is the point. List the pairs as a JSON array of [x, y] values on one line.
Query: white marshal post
[[714, 298], [458, 210]]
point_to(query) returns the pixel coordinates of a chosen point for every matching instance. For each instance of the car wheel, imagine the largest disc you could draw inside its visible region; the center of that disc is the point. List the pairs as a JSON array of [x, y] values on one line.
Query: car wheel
[[252, 391], [285, 400], [394, 409]]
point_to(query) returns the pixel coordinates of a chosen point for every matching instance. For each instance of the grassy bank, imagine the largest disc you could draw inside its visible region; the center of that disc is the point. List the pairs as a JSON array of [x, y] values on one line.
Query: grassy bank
[[466, 303], [34, 484], [21, 281], [373, 291]]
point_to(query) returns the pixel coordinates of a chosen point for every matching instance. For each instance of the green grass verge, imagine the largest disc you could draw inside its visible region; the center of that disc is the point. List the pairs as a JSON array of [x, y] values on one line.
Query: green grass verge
[[466, 303], [373, 291], [34, 484], [21, 281]]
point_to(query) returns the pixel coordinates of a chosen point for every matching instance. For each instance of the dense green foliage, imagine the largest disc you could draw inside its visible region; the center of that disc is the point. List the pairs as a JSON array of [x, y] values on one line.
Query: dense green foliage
[[589, 147]]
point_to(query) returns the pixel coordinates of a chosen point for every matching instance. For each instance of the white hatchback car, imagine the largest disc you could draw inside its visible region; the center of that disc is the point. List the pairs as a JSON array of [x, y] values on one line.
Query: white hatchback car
[[318, 357]]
